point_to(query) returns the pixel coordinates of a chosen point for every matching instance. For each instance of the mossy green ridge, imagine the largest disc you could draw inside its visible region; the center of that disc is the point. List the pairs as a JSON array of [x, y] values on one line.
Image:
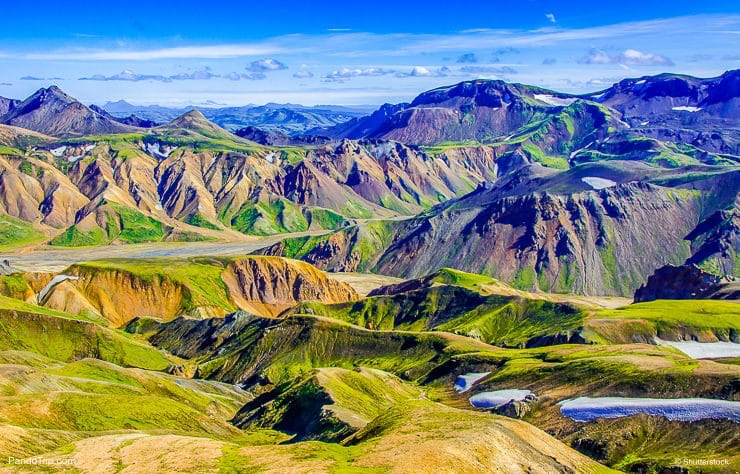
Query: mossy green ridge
[[243, 347], [327, 405], [64, 337], [268, 218], [16, 233], [495, 319], [705, 320]]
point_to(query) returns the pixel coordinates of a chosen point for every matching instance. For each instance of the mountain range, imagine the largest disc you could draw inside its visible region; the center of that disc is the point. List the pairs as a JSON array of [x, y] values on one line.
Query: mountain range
[[493, 277], [548, 191], [287, 118]]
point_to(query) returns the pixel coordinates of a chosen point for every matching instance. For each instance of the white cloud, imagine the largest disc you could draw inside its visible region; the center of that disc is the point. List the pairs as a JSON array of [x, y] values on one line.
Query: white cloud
[[550, 17], [628, 57], [423, 71], [635, 57], [266, 65], [127, 76], [303, 74], [194, 76], [347, 73], [252, 76], [130, 76]]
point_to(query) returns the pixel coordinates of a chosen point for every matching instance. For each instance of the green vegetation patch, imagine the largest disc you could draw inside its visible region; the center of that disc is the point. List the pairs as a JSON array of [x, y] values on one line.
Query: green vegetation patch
[[199, 220], [673, 317], [269, 218], [16, 233], [500, 320], [65, 337]]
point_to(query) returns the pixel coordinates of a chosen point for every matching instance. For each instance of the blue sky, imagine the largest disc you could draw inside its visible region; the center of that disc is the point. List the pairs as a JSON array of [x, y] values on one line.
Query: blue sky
[[320, 52]]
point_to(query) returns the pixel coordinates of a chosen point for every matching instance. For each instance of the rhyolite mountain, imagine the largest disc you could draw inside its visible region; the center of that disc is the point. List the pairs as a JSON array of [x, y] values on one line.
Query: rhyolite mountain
[[546, 230], [191, 176]]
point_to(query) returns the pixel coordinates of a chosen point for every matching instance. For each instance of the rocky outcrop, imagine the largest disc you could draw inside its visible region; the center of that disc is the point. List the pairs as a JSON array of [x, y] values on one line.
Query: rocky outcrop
[[269, 285], [686, 282], [121, 291], [715, 242]]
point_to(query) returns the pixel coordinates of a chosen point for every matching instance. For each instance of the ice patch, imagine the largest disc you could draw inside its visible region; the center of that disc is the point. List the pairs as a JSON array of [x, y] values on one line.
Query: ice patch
[[552, 100], [466, 381], [54, 282], [703, 350], [498, 397], [684, 409], [59, 151], [687, 108], [598, 183]]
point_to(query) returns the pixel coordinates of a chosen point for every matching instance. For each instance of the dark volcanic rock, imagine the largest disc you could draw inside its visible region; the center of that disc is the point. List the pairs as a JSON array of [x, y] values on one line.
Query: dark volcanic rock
[[686, 282], [278, 138]]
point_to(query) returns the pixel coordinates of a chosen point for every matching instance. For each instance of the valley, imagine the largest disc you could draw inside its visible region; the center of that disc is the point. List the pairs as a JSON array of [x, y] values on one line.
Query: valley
[[493, 277]]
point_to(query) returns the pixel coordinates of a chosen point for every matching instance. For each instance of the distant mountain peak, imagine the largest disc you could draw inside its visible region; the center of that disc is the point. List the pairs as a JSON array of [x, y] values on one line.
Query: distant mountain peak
[[192, 119], [53, 112]]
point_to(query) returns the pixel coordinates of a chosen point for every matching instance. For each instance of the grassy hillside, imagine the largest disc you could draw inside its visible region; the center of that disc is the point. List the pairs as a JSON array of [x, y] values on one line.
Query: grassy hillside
[[495, 319], [16, 233]]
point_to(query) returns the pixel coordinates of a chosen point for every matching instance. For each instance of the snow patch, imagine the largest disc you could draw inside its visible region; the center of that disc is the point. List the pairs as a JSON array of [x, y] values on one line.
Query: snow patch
[[466, 381], [644, 123], [72, 159], [684, 409], [89, 148], [156, 150], [642, 81], [552, 100], [54, 282], [574, 153], [58, 151], [686, 108], [270, 157], [498, 397], [703, 350], [598, 183]]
